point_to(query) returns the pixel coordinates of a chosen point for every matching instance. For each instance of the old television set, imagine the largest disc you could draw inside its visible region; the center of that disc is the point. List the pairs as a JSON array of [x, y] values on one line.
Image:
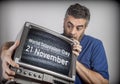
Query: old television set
[[44, 56]]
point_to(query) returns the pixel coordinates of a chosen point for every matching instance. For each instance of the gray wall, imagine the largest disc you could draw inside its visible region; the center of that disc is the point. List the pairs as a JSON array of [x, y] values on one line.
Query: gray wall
[[104, 23]]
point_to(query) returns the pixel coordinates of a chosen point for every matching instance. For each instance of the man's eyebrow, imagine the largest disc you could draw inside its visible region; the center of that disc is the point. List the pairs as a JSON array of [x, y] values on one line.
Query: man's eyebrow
[[80, 26], [70, 23], [73, 25]]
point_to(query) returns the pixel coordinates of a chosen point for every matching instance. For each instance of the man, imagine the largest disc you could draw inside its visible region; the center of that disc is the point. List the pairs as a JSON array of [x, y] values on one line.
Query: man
[[91, 64]]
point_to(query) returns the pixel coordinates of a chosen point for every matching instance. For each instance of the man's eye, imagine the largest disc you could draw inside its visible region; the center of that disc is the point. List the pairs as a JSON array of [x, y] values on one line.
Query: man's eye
[[69, 26], [79, 28]]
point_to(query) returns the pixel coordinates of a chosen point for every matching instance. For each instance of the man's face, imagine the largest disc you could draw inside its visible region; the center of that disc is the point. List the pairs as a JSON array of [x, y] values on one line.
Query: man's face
[[74, 28]]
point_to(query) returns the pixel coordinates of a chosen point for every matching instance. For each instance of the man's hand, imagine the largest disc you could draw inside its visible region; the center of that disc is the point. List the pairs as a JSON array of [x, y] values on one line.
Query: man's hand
[[6, 57], [77, 48]]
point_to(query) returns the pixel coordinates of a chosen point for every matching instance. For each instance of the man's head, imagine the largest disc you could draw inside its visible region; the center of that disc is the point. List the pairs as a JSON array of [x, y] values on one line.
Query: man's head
[[76, 20]]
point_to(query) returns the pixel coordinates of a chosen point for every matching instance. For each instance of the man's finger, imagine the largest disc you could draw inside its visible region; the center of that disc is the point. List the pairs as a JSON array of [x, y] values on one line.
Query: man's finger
[[75, 53], [6, 76], [12, 63], [14, 46], [77, 48], [76, 41], [6, 68], [9, 71]]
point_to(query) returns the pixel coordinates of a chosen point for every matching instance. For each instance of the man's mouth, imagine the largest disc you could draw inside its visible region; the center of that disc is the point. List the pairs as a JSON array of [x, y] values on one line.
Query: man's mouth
[[71, 37]]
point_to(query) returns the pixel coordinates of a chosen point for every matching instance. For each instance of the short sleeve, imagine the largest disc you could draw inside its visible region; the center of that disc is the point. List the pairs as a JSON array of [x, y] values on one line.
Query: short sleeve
[[98, 59]]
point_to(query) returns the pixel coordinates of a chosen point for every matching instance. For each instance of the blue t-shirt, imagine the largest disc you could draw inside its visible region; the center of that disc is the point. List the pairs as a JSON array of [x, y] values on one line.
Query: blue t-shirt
[[93, 57]]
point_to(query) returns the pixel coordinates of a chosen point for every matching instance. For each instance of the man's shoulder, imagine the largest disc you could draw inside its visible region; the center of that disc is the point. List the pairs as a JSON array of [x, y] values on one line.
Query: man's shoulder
[[91, 39]]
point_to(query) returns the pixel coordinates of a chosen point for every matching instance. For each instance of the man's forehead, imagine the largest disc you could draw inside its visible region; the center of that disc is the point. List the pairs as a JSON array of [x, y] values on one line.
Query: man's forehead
[[76, 21]]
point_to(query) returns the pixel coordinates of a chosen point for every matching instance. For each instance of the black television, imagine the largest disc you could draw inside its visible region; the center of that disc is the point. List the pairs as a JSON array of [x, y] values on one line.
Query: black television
[[44, 56]]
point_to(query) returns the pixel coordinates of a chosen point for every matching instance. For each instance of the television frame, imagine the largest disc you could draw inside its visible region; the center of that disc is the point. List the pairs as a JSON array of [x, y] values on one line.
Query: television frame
[[47, 73]]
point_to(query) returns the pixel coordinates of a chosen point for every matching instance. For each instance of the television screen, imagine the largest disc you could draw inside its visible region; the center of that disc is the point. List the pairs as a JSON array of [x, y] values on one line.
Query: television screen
[[44, 50]]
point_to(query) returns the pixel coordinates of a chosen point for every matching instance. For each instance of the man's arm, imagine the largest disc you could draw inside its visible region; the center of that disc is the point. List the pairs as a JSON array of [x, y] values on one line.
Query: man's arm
[[89, 76]]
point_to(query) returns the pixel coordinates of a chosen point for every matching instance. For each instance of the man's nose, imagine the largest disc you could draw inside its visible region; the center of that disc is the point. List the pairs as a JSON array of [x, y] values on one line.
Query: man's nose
[[73, 31]]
